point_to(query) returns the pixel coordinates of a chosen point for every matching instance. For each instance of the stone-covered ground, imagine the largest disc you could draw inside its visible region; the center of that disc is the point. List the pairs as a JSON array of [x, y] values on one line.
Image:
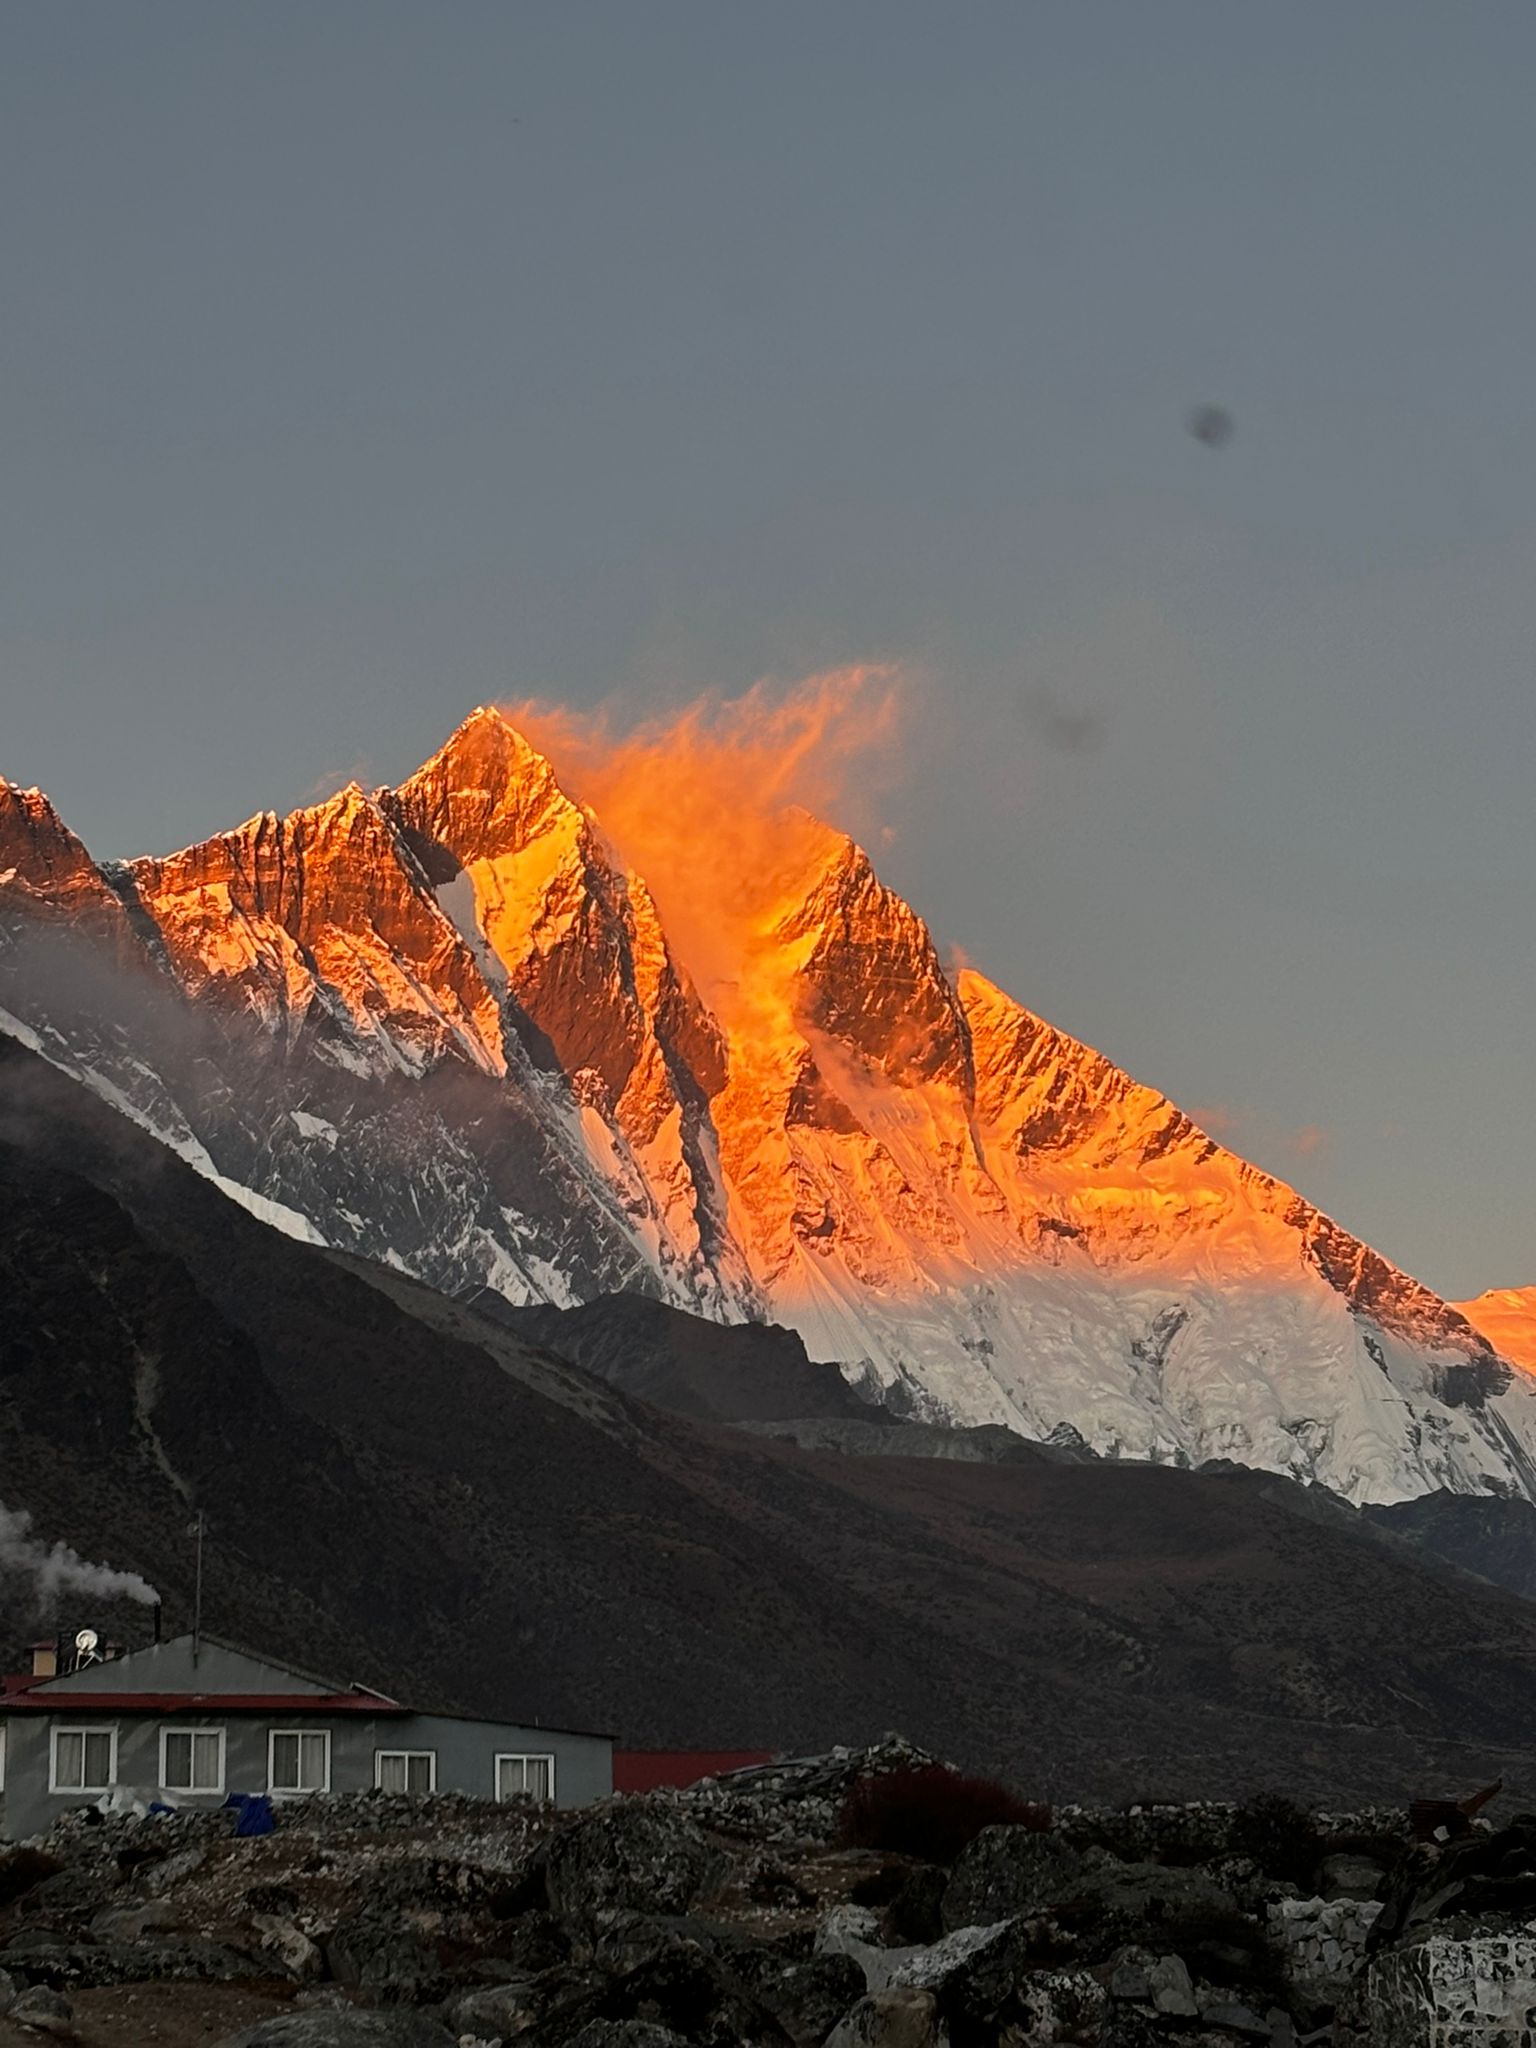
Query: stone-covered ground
[[733, 1915]]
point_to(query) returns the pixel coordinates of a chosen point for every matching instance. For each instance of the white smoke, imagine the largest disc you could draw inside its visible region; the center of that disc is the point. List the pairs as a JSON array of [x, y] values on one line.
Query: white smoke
[[55, 1569]]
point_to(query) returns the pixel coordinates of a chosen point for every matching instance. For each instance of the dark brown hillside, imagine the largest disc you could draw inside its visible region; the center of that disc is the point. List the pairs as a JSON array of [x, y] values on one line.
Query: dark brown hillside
[[718, 1372], [412, 1495]]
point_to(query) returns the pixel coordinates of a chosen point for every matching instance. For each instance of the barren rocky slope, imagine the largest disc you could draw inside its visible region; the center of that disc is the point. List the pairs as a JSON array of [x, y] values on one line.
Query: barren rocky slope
[[856, 1900]]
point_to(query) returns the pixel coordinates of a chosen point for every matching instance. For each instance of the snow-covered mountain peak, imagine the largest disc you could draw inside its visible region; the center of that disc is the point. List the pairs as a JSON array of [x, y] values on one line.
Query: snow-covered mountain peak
[[487, 792], [638, 1025], [323, 923]]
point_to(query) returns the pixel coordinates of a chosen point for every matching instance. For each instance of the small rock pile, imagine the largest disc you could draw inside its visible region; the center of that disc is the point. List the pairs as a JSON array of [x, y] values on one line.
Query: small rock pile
[[731, 1915]]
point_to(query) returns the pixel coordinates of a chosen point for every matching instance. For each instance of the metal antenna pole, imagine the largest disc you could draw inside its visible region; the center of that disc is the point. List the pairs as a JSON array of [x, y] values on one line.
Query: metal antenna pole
[[197, 1594]]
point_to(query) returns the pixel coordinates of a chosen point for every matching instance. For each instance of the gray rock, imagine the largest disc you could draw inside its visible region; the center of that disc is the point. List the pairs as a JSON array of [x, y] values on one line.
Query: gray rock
[[1009, 1871], [132, 1923], [930, 1969], [1060, 2005], [855, 1931], [492, 2009], [627, 2034], [1236, 2018], [890, 2019], [46, 2011], [9, 1991], [806, 1996], [1352, 1877], [88, 1964], [635, 1856], [34, 1941], [164, 1876], [288, 1946], [378, 1955], [343, 2030], [1130, 1975], [1172, 1991]]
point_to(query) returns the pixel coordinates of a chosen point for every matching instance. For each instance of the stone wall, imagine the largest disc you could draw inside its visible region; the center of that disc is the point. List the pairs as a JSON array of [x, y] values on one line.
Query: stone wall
[[1323, 1942]]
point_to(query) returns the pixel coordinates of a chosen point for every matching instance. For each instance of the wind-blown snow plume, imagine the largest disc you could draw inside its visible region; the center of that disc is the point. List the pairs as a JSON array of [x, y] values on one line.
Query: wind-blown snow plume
[[713, 803], [55, 1568]]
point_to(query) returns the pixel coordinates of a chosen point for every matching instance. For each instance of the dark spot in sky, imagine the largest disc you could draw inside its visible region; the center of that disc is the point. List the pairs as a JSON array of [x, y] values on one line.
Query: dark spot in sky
[[1069, 728], [1212, 424]]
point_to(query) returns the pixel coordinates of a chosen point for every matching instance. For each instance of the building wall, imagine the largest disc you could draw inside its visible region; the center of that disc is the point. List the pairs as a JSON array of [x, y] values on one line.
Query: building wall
[[466, 1752]]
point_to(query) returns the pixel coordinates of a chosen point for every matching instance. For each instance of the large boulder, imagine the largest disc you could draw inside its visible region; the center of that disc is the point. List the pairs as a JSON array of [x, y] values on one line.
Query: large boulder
[[490, 2010], [891, 2019], [557, 2003], [342, 2029], [626, 2034], [635, 1856], [375, 1954], [807, 1995], [1059, 2005], [695, 1991], [1007, 1871], [45, 2011]]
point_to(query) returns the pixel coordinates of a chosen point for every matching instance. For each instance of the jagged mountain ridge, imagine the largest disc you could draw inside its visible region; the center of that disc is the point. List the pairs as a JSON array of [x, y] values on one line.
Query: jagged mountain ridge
[[448, 1026]]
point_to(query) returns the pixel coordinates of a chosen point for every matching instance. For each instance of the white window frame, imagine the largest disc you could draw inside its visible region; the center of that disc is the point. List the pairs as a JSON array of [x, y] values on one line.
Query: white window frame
[[81, 1728], [289, 1791], [191, 1728], [409, 1754], [521, 1756]]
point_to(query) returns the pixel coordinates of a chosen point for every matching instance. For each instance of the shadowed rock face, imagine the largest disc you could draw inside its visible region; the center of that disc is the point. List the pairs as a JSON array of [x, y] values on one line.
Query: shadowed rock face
[[49, 883], [873, 979], [448, 1025], [326, 909]]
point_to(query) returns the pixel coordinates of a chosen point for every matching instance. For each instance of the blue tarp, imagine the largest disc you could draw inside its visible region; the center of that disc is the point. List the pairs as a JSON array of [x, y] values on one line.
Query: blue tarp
[[253, 1813]]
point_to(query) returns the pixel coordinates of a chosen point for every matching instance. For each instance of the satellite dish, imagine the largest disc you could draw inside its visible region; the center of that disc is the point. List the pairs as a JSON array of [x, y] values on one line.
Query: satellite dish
[[86, 1641]]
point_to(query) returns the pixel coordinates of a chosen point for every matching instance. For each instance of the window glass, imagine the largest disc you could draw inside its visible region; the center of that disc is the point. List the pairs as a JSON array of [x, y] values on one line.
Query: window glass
[[300, 1760], [193, 1760], [406, 1770], [525, 1777], [82, 1759]]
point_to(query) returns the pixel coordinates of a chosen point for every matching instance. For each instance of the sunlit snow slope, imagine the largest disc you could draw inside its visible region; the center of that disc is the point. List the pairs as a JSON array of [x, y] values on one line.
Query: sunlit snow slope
[[1506, 1316], [451, 1026]]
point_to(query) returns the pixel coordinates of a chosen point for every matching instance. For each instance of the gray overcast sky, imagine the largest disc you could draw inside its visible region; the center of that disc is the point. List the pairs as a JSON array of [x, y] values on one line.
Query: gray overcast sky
[[359, 362]]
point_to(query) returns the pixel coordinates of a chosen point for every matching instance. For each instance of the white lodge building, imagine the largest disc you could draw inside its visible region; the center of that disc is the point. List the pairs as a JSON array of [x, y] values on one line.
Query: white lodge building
[[191, 1726]]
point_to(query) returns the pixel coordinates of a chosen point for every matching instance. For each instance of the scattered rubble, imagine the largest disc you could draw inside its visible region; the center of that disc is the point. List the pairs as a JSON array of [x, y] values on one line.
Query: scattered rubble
[[733, 1915]]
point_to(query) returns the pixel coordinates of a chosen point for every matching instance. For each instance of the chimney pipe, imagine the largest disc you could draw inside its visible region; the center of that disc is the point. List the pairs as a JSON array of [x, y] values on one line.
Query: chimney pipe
[[159, 1622]]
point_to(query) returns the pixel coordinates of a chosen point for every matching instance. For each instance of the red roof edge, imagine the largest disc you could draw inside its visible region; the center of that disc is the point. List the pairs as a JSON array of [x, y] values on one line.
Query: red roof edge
[[644, 1770], [24, 1699]]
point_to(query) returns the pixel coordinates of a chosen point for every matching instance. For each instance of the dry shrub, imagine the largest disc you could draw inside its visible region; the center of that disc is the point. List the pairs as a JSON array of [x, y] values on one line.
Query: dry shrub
[[21, 1869], [1280, 1836], [931, 1813]]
